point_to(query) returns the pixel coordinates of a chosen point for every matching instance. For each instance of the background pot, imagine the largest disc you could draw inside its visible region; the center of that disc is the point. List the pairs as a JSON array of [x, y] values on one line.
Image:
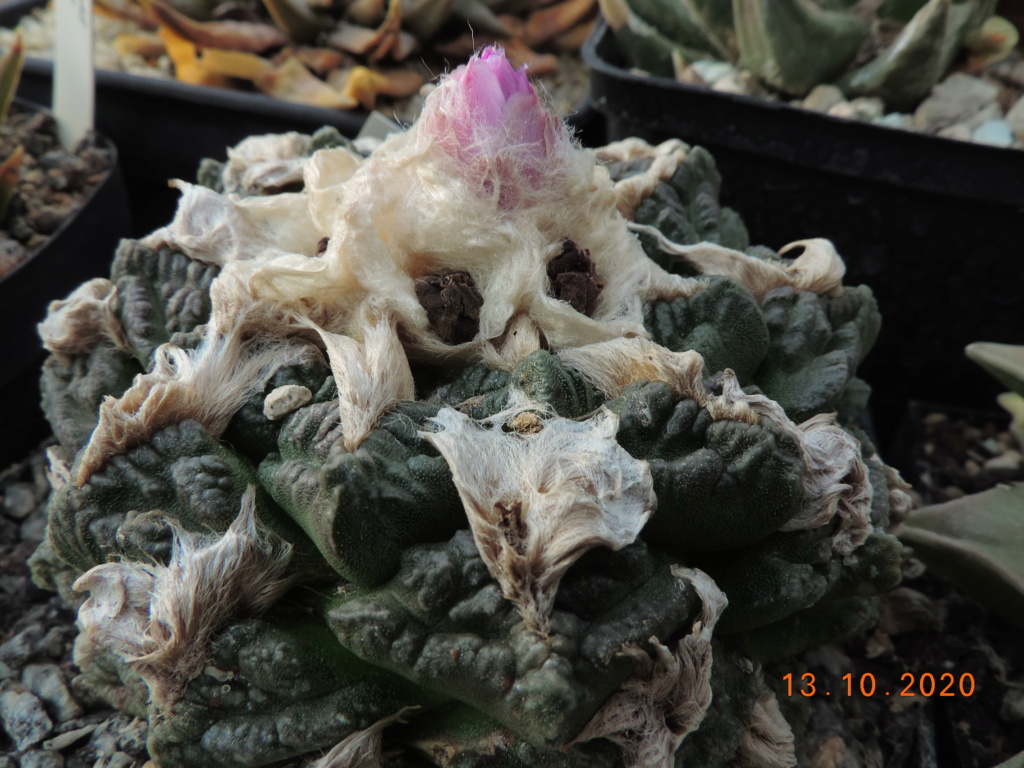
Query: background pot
[[933, 226], [80, 249]]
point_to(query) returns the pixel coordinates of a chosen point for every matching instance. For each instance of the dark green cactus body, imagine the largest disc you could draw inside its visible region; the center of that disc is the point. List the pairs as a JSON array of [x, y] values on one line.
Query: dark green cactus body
[[183, 472], [363, 508], [160, 293], [719, 483], [442, 622], [815, 346], [272, 689], [722, 322], [541, 377], [72, 392]]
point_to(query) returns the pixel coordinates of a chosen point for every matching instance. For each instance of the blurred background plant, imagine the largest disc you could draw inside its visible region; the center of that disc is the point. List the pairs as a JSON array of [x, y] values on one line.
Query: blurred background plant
[[872, 60], [343, 54]]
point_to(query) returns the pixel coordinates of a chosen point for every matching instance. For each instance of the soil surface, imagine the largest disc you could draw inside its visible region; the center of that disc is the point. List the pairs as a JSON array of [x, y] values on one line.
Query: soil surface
[[963, 452], [53, 183]]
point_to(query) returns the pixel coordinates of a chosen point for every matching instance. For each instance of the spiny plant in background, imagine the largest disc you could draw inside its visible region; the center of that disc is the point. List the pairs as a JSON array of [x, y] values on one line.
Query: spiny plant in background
[[345, 55], [480, 449], [895, 50]]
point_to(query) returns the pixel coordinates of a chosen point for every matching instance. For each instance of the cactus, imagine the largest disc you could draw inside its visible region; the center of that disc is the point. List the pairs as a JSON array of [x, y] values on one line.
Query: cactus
[[895, 50], [483, 447]]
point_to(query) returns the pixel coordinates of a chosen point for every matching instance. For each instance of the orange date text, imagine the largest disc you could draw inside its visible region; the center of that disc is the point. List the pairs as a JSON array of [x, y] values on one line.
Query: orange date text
[[924, 684]]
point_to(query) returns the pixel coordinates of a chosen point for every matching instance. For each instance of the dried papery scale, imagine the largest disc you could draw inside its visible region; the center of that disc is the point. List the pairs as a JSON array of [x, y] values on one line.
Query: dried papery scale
[[510, 423]]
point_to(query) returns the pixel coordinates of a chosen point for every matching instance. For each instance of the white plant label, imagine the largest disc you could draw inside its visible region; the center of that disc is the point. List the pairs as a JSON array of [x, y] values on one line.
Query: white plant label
[[74, 76]]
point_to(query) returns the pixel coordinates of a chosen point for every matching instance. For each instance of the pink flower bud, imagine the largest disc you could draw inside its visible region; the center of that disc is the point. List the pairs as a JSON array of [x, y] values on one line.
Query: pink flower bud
[[486, 115]]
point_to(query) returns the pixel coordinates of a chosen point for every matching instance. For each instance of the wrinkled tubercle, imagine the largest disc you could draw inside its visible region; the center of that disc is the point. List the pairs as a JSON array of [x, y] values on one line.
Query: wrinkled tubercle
[[160, 619], [669, 693], [836, 479]]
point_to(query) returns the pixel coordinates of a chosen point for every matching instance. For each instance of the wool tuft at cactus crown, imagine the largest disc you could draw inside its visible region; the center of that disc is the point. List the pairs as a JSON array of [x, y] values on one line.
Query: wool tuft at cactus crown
[[482, 449]]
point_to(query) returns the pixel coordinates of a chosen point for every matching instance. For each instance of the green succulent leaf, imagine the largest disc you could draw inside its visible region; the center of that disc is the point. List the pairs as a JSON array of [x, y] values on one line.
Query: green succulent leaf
[[443, 623], [363, 508], [816, 345], [643, 44], [773, 36], [720, 484], [906, 71], [1004, 361], [974, 541], [160, 293], [272, 690], [722, 322], [676, 22]]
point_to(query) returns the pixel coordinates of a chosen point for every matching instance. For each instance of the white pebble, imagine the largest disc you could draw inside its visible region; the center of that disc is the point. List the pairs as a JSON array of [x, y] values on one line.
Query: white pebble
[[284, 400]]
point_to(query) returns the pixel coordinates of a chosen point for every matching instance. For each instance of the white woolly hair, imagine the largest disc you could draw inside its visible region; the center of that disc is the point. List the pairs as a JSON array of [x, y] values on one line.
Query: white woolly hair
[[207, 385], [835, 477], [537, 500], [216, 229], [261, 164], [669, 693], [362, 749], [86, 318], [768, 741], [161, 619], [818, 268], [407, 211], [633, 190], [372, 375]]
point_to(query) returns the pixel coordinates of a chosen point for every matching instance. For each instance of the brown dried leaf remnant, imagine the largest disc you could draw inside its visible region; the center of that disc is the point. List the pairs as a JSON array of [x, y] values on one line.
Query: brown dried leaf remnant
[[453, 304], [574, 280]]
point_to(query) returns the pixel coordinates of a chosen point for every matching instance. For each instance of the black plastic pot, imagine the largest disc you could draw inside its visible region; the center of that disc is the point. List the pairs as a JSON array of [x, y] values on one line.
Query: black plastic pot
[[934, 226], [78, 251], [163, 128]]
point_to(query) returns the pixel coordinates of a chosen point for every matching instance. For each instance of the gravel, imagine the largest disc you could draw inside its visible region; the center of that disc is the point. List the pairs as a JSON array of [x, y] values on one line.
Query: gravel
[[42, 723]]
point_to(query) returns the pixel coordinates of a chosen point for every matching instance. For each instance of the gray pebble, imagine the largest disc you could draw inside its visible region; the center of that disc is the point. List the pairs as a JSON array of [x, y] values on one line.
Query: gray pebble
[[47, 682], [956, 99], [895, 120], [20, 648], [116, 760], [69, 738], [1009, 462], [1015, 117], [39, 758], [7, 762], [822, 98], [959, 132], [713, 71], [34, 527], [24, 719], [20, 500], [994, 132], [5, 672]]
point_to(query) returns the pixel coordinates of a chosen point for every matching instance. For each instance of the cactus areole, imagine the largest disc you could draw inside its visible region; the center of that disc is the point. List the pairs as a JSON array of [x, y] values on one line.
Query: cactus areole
[[483, 449]]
